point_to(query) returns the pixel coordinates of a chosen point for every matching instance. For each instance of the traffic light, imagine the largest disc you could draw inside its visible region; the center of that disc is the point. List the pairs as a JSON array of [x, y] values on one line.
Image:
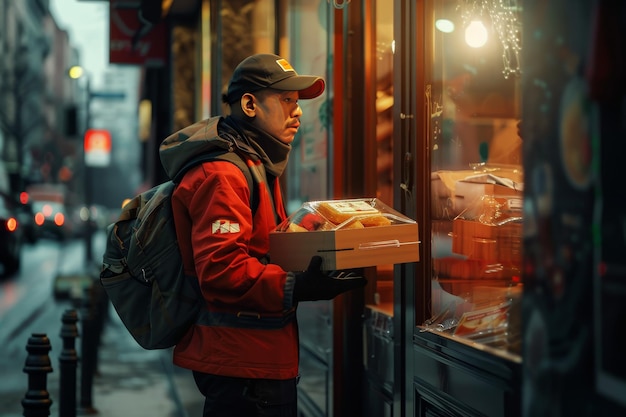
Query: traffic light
[[71, 121]]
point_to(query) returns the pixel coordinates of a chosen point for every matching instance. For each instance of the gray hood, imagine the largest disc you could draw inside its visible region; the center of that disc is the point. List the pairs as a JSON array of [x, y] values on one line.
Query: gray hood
[[199, 138]]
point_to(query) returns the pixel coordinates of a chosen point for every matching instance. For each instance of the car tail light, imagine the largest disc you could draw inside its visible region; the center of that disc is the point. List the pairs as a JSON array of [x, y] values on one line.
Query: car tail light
[[11, 224], [59, 219], [39, 219]]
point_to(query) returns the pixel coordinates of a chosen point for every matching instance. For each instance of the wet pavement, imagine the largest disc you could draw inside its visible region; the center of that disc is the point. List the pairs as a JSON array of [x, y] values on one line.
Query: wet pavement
[[136, 382], [130, 381]]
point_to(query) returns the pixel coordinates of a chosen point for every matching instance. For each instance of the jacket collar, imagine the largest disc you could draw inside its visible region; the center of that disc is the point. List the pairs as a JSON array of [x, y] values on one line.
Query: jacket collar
[[273, 153]]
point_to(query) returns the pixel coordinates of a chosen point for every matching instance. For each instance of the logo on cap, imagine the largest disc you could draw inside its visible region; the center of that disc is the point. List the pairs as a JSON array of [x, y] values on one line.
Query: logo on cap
[[286, 66]]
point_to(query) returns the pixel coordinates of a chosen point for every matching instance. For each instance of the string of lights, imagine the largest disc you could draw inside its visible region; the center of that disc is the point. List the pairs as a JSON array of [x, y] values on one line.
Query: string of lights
[[504, 17]]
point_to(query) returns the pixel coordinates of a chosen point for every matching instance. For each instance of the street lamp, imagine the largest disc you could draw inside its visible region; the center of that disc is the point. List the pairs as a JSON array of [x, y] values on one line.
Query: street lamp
[[77, 72]]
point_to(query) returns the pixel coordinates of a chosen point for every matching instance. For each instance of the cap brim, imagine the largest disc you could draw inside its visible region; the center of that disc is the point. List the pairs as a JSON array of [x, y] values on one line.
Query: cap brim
[[307, 86]]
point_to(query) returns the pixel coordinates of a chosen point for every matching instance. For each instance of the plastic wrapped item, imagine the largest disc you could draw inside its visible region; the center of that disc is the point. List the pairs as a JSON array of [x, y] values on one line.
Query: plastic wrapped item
[[452, 192], [483, 317], [486, 325], [494, 210], [349, 233], [445, 320], [342, 214]]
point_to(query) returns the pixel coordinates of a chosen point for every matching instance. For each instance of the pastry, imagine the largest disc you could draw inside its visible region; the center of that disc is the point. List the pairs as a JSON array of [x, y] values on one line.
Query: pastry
[[353, 224], [295, 228], [376, 220], [340, 211]]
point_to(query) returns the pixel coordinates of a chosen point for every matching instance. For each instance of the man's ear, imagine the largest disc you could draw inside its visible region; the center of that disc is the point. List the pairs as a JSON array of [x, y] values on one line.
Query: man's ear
[[248, 105]]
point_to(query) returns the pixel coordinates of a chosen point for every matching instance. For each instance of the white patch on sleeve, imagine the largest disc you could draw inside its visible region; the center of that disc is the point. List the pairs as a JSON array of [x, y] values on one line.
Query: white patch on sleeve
[[224, 226]]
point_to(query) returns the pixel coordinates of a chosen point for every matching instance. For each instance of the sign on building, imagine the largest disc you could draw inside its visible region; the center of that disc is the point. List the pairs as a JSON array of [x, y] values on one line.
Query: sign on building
[[132, 41], [97, 148]]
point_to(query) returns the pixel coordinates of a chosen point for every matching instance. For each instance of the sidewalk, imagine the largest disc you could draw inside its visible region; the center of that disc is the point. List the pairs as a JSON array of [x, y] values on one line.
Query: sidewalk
[[137, 382], [132, 381]]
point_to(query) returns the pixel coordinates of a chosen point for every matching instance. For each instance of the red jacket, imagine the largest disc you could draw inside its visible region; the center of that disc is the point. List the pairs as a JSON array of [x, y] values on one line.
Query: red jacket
[[251, 329]]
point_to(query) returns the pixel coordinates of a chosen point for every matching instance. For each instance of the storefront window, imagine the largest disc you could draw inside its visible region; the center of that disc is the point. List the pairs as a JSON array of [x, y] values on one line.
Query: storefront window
[[307, 43], [384, 55], [307, 30], [231, 31], [473, 101]]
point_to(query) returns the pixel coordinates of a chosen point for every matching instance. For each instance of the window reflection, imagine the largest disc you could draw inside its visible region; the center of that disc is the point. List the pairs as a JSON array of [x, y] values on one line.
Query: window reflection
[[476, 173]]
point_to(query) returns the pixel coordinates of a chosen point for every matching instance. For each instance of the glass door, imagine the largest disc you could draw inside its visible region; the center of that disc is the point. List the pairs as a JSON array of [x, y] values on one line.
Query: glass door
[[378, 330], [472, 123]]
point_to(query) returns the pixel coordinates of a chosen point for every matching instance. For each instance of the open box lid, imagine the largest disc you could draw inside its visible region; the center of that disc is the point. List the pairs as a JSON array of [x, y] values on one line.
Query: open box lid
[[341, 215], [347, 234]]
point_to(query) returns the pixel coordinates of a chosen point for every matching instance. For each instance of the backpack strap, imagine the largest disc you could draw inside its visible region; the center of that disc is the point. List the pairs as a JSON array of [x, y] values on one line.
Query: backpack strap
[[224, 155]]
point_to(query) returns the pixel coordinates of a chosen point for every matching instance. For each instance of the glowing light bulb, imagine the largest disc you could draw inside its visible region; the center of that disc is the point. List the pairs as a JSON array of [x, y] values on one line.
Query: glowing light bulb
[[476, 34]]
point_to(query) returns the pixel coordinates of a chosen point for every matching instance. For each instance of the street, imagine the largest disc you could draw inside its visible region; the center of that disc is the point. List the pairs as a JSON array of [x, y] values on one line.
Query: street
[[27, 306], [130, 380]]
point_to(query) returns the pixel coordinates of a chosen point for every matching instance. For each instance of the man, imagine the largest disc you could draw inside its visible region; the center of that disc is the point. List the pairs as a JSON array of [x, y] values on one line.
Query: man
[[244, 349]]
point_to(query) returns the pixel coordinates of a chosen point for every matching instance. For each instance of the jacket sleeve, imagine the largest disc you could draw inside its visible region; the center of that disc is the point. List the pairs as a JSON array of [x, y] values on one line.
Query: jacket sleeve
[[221, 225]]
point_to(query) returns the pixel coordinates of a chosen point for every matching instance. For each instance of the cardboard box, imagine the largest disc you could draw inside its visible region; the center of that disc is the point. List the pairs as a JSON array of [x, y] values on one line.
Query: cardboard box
[[340, 245], [467, 193], [493, 243], [454, 191], [442, 188]]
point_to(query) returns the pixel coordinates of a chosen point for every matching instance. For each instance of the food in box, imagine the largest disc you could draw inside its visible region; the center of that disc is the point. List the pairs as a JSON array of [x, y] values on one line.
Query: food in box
[[346, 233]]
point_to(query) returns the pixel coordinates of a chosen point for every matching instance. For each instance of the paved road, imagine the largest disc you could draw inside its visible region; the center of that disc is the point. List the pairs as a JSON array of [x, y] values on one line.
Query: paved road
[[131, 381]]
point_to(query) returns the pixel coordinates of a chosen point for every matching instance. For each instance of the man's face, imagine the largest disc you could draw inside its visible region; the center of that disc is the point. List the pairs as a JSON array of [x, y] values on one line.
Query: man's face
[[278, 113]]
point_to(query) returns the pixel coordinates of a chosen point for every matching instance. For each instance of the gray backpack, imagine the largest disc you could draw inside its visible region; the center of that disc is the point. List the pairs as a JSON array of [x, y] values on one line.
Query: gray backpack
[[142, 270]]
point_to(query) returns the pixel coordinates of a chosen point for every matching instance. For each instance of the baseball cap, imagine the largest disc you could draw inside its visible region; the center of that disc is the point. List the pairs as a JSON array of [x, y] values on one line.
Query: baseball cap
[[271, 71]]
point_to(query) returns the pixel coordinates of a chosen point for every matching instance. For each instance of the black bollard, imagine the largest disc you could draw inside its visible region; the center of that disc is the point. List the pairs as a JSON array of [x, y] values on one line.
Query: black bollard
[[89, 354], [37, 402], [101, 302], [68, 361]]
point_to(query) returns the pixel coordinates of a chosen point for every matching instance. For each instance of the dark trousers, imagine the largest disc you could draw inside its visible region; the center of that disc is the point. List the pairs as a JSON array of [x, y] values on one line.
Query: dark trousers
[[242, 397]]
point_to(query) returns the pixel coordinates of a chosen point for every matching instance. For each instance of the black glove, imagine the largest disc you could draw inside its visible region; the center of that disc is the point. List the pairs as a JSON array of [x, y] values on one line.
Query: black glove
[[313, 284]]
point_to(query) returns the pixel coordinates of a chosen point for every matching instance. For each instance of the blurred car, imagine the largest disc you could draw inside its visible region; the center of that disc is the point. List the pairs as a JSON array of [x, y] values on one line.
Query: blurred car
[[26, 217], [51, 219], [11, 235]]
